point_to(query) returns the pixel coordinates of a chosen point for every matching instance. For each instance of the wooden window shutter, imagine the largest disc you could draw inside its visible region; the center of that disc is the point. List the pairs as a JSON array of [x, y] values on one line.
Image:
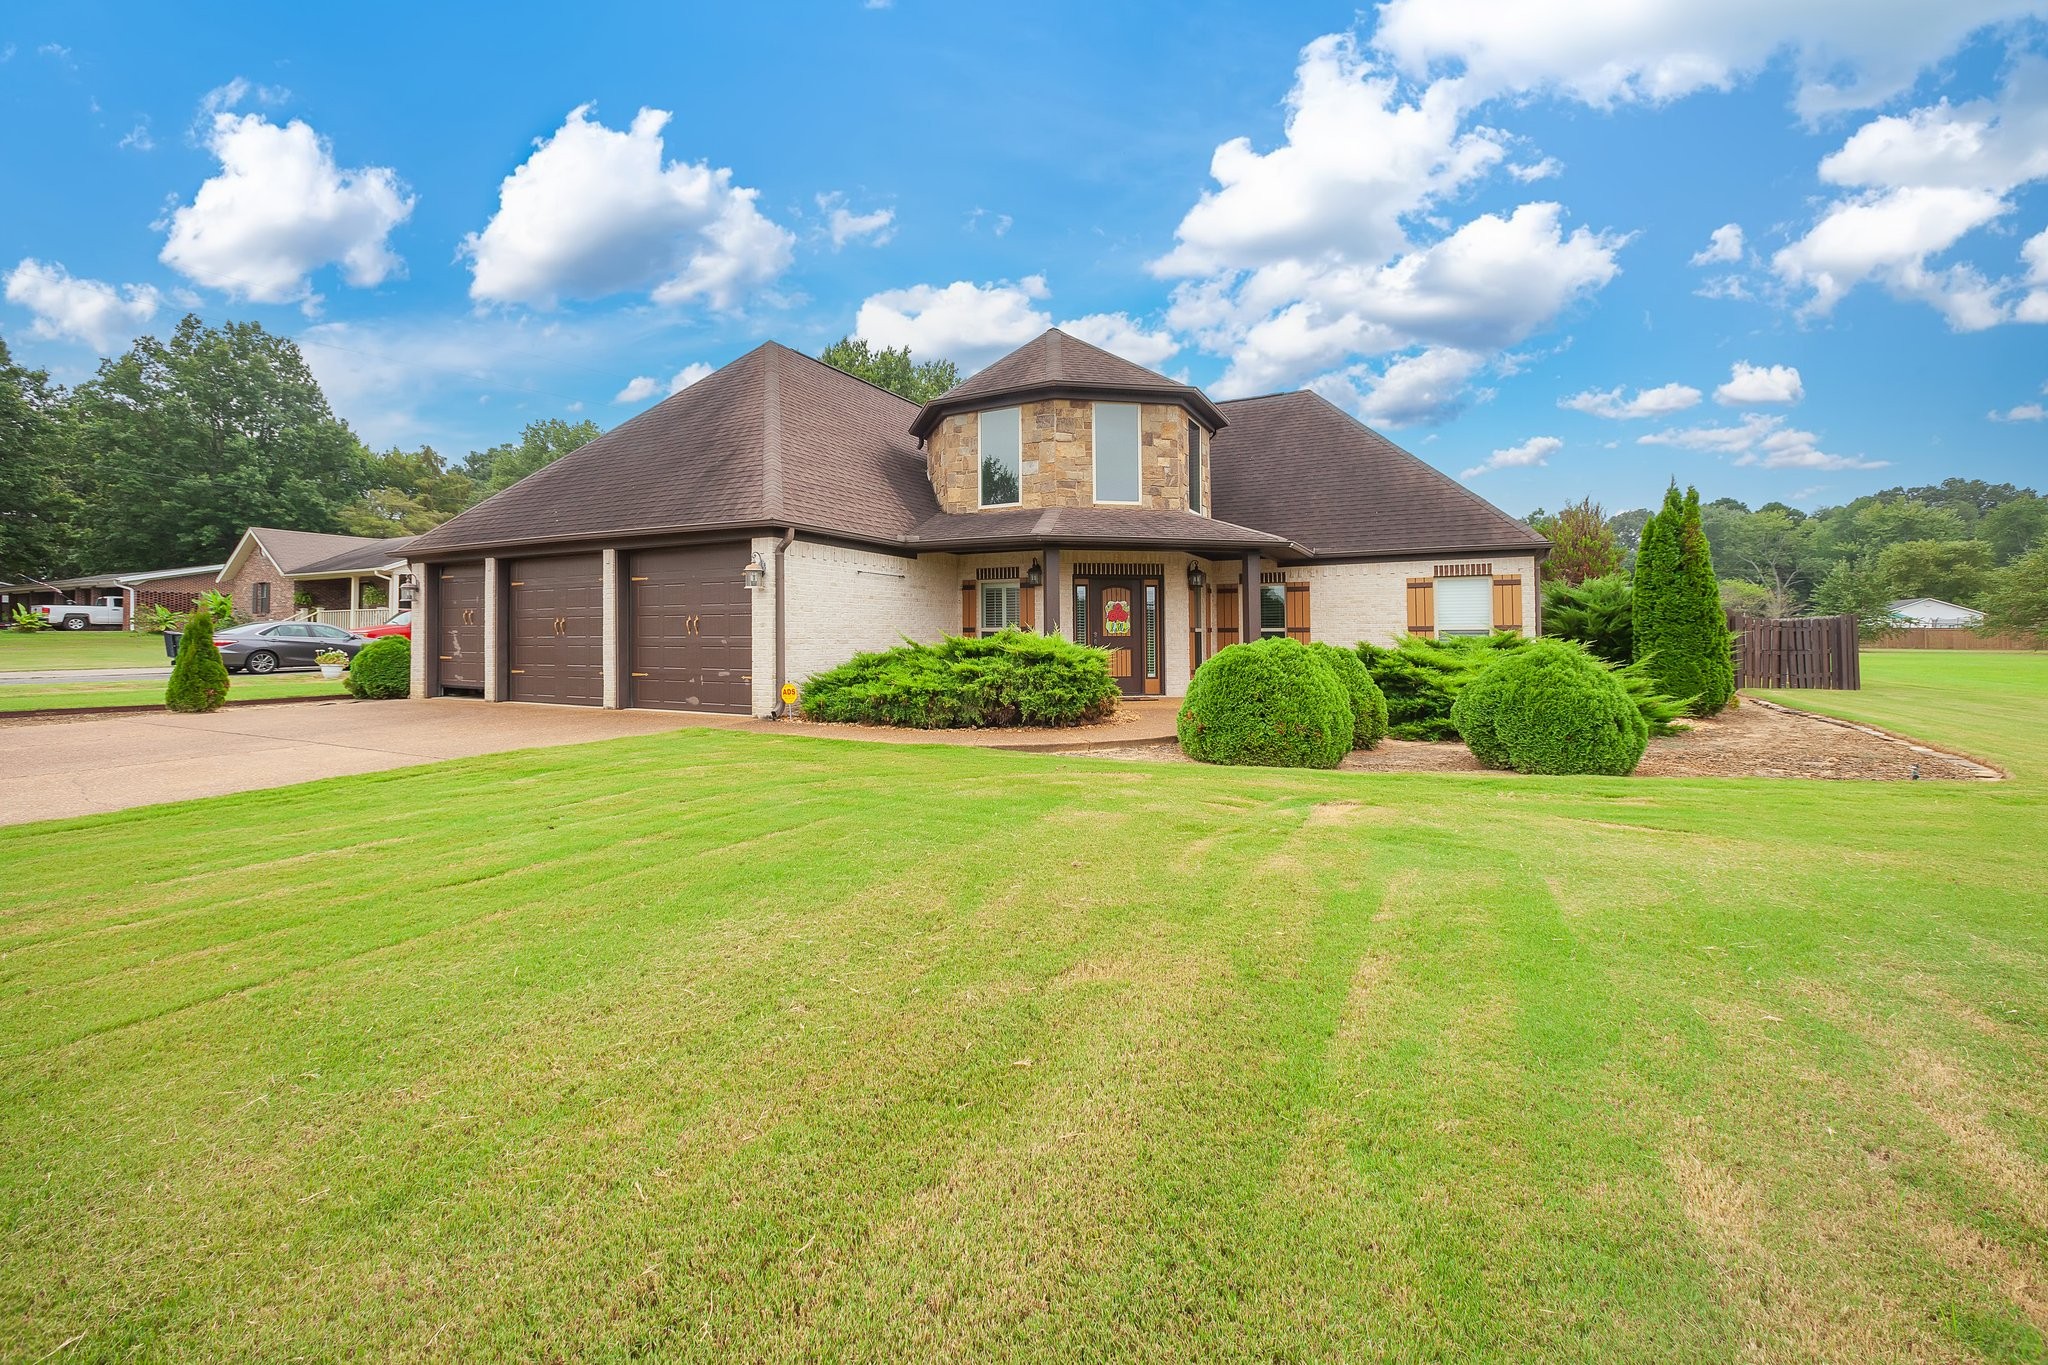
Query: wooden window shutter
[[1507, 602], [1027, 607], [969, 592], [1422, 607], [1297, 612], [1227, 616]]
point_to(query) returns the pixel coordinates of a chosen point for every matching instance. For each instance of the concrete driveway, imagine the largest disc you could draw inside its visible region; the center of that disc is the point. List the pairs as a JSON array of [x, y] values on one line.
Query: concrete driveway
[[51, 769]]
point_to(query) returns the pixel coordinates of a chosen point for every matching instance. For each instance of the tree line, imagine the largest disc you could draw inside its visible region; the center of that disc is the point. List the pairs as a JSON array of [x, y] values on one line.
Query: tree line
[[171, 450], [1977, 544]]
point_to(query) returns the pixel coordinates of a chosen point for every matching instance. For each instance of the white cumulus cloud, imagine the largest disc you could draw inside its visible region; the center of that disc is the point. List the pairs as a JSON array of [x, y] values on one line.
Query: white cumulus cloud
[[844, 225], [1724, 244], [1119, 335], [597, 211], [1845, 53], [1306, 262], [103, 316], [279, 209], [1658, 402], [1537, 450], [1749, 385], [645, 386], [969, 324], [1760, 439]]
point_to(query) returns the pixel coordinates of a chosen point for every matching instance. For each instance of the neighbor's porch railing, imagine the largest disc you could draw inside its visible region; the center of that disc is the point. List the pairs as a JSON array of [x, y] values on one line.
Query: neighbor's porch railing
[[347, 619]]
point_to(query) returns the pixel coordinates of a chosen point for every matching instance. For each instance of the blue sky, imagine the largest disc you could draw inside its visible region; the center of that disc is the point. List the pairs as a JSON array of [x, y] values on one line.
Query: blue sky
[[1489, 228]]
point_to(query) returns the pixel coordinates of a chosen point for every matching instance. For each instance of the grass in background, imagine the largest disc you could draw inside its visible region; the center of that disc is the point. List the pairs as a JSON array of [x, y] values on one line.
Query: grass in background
[[49, 650], [148, 691], [715, 1045]]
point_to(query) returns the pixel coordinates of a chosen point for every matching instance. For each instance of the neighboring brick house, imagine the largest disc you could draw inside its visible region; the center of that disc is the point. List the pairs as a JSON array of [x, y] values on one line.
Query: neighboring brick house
[[274, 574], [172, 589], [779, 515]]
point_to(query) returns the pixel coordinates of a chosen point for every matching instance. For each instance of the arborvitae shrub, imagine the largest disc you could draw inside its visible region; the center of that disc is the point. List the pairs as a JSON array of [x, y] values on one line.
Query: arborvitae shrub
[[1368, 703], [1015, 677], [1551, 708], [1680, 632], [199, 680], [381, 670], [1271, 703]]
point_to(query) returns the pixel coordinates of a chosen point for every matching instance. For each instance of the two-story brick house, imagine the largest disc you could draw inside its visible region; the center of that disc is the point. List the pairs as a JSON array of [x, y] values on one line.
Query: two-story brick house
[[778, 516]]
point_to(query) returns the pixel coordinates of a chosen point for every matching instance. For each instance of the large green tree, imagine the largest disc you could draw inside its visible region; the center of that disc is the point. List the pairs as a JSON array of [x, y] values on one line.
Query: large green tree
[[182, 445], [1677, 620], [2017, 598], [1856, 587], [36, 501], [539, 445], [892, 368], [1582, 543], [1952, 570], [411, 491]]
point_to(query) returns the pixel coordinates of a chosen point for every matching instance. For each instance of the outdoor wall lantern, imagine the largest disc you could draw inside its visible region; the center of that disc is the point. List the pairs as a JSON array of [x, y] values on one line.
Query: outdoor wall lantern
[[1196, 578], [757, 572], [1034, 575]]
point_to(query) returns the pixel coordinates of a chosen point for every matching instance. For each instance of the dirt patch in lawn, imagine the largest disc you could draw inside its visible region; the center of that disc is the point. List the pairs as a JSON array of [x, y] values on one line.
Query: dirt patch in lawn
[[1754, 739]]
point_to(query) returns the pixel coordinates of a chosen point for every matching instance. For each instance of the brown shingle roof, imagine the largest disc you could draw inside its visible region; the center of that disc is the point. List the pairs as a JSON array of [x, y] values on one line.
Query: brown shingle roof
[[1297, 465], [1087, 526], [374, 554], [773, 439], [1057, 364], [297, 551]]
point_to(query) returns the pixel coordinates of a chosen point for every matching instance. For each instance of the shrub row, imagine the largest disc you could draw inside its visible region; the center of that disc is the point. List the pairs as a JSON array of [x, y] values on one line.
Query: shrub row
[[1422, 678], [1016, 677], [1551, 707]]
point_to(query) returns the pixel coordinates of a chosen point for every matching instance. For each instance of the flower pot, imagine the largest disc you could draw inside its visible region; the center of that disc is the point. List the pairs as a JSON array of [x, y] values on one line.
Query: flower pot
[[331, 672]]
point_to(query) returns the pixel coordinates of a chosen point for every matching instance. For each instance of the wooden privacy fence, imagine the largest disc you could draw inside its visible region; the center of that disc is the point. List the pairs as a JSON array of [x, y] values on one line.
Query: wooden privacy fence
[[1950, 637], [1799, 651]]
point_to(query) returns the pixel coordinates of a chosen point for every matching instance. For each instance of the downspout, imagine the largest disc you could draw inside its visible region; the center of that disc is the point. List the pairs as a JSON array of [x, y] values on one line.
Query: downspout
[[781, 621]]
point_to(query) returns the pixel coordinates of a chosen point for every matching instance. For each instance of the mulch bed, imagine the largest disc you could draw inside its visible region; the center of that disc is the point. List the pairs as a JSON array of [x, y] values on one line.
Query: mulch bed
[[1754, 739]]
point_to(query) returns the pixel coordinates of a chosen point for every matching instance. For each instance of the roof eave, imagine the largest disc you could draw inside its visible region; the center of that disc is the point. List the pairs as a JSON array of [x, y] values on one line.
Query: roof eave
[[931, 414]]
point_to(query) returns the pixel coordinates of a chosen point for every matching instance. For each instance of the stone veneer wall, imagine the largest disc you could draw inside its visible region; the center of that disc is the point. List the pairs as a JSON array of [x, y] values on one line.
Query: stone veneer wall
[[1058, 463]]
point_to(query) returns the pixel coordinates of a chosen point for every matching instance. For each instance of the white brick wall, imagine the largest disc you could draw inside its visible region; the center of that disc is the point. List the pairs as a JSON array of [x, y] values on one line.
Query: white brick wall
[[841, 601], [422, 626], [1353, 602]]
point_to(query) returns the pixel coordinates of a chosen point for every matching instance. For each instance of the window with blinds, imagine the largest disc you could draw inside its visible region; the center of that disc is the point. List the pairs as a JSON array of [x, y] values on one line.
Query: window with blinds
[[1464, 606], [1272, 610], [998, 607]]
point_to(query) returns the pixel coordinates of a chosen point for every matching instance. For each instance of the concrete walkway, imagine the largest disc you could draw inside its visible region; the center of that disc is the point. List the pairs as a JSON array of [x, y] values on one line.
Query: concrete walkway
[[56, 767]]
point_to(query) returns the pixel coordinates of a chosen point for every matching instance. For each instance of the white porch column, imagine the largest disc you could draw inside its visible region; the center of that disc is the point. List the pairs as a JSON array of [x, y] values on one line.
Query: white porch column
[[613, 692], [494, 648], [355, 598]]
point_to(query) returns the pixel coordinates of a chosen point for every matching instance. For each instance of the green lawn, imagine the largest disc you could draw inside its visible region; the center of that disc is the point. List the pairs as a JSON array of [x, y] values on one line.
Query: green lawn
[[736, 1047], [49, 650], [143, 692]]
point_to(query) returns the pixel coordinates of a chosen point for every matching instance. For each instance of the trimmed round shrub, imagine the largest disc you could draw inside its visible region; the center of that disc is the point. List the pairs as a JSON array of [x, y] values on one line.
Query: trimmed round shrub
[[199, 680], [1274, 703], [1551, 707], [1014, 677], [1368, 703], [381, 670]]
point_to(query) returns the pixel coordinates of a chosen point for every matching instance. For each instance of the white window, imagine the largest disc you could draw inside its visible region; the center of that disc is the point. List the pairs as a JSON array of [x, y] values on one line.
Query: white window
[[1272, 610], [1464, 606], [998, 606], [1001, 440], [1194, 466], [1116, 452]]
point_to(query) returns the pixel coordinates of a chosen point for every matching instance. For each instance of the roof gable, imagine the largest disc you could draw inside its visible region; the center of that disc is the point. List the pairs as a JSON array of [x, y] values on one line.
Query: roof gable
[[1297, 465], [774, 438], [1058, 364]]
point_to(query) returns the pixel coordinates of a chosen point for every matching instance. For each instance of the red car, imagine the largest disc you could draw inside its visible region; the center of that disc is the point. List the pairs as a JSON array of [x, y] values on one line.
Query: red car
[[400, 624]]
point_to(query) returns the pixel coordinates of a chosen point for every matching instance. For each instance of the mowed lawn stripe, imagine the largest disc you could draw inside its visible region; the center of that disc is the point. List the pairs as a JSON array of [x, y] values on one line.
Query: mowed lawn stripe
[[708, 1045]]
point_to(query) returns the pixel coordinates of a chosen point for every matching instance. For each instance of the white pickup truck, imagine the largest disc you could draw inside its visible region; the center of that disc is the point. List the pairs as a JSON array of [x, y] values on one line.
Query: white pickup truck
[[72, 616]]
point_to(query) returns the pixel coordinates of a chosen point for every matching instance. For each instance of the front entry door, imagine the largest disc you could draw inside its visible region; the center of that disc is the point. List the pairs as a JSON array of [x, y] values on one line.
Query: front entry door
[[1123, 618]]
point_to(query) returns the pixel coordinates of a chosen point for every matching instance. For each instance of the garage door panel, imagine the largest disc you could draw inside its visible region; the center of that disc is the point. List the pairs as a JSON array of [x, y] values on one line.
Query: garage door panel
[[555, 630], [690, 623], [458, 636]]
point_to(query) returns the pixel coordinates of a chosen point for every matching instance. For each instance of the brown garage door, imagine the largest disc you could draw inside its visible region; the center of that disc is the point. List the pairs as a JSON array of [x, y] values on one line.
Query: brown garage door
[[691, 630], [555, 630], [459, 626]]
